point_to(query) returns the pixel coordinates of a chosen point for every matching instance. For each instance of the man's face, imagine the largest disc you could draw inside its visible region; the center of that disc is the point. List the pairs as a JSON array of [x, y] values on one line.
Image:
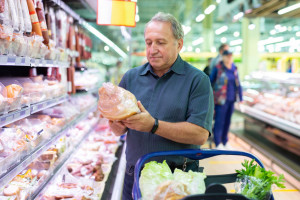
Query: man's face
[[161, 46], [224, 49], [227, 59]]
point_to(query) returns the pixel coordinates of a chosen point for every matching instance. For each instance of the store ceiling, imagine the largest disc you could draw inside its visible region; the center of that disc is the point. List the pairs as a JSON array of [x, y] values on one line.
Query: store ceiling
[[187, 11]]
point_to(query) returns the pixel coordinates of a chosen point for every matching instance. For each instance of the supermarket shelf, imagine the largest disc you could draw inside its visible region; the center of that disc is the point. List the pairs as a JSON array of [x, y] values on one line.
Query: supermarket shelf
[[283, 124], [43, 146], [14, 116], [62, 162], [7, 60], [47, 104], [26, 111]]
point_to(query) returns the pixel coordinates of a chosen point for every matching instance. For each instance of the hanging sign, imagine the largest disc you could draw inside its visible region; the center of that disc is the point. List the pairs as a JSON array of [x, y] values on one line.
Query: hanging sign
[[116, 13]]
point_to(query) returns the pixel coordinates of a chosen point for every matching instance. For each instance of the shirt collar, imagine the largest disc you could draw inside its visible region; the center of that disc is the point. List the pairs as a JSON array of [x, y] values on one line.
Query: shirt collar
[[177, 67]]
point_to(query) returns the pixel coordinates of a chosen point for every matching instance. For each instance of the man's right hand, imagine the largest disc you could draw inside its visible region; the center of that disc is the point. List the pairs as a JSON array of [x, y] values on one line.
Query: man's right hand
[[117, 127]]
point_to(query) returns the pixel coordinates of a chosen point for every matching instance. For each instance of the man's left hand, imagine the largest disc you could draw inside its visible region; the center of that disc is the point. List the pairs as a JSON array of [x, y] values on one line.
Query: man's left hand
[[142, 121]]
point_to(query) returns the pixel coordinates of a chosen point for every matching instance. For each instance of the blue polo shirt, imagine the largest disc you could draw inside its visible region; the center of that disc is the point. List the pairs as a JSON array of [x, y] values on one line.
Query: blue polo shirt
[[182, 94]]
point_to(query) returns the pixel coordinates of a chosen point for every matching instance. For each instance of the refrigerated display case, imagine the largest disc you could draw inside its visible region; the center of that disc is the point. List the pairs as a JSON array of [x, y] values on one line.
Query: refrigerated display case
[[273, 100]]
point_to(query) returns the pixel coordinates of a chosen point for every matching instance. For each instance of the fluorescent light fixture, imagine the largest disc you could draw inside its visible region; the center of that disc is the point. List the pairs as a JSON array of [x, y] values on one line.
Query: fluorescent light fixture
[[298, 34], [273, 32], [236, 34], [104, 39], [209, 9], [277, 26], [200, 17], [198, 41], [213, 49], [218, 1], [106, 48], [221, 30], [270, 40], [190, 48], [198, 50], [236, 42], [288, 9], [137, 18], [238, 16], [186, 29], [251, 26], [290, 43], [223, 40], [261, 48]]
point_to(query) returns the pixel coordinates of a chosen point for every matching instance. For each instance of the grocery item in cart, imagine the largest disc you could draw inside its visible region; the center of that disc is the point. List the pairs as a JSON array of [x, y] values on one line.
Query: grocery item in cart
[[116, 103], [255, 182]]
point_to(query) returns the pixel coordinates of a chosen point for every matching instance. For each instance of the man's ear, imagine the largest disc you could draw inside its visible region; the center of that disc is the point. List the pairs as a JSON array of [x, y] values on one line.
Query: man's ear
[[180, 44]]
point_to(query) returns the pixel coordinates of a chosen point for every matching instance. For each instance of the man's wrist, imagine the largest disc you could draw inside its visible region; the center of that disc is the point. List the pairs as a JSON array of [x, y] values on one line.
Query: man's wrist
[[155, 126]]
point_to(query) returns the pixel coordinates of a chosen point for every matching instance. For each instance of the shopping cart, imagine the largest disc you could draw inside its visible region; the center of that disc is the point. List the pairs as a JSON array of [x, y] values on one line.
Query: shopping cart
[[214, 189]]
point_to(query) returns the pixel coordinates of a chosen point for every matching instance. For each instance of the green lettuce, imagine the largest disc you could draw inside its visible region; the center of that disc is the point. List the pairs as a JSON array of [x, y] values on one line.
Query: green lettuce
[[152, 175], [193, 180]]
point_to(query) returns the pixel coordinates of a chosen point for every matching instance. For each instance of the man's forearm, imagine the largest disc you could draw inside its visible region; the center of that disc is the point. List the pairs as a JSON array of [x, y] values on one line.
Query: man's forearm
[[182, 132]]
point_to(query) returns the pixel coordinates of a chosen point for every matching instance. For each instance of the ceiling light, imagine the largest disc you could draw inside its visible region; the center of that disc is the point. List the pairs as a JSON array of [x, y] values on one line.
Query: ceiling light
[[104, 39], [213, 49], [273, 32], [186, 29], [106, 48], [198, 50], [270, 40], [198, 41], [270, 48], [137, 18], [251, 26], [223, 40], [238, 16], [209, 9], [218, 1], [190, 48], [200, 17], [298, 34], [289, 9], [236, 34], [277, 26], [221, 30], [236, 42]]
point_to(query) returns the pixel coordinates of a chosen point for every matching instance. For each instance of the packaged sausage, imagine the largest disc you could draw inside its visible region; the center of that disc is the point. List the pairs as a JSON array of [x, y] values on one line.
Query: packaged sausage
[[41, 16], [2, 6], [34, 18], [13, 15], [26, 17]]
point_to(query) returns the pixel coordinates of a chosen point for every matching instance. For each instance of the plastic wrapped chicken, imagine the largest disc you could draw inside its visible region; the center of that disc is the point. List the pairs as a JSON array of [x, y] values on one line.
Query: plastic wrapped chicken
[[116, 103]]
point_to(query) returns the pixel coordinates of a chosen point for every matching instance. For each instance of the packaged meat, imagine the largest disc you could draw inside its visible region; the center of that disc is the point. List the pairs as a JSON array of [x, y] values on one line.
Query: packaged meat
[[34, 18], [3, 99], [26, 17], [2, 6], [20, 16], [116, 103], [14, 91], [41, 16]]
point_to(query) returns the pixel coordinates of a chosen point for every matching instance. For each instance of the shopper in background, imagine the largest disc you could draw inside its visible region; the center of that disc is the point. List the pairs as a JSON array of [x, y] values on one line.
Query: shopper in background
[[175, 99], [216, 60], [206, 69], [227, 89]]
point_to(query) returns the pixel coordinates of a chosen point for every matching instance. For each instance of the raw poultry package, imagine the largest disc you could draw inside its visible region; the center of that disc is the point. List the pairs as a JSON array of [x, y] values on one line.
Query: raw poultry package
[[116, 103]]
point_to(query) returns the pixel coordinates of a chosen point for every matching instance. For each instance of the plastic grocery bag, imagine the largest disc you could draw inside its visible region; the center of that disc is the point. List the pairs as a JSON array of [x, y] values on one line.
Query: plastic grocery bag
[[116, 103]]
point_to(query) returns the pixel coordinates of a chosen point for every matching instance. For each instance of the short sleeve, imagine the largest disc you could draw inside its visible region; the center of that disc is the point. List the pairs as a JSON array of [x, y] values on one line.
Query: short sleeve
[[201, 104], [122, 83]]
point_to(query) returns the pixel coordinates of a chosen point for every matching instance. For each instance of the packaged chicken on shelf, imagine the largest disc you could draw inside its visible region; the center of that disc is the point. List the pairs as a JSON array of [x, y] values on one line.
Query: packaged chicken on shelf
[[14, 91], [33, 91], [67, 187], [33, 128], [83, 101], [35, 43], [54, 88], [3, 99], [13, 147]]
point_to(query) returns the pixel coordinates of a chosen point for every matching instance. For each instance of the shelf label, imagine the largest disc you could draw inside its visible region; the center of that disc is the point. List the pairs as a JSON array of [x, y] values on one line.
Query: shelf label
[[18, 60]]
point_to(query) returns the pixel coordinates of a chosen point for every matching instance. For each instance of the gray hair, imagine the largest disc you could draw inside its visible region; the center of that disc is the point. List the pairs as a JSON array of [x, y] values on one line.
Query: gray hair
[[166, 17]]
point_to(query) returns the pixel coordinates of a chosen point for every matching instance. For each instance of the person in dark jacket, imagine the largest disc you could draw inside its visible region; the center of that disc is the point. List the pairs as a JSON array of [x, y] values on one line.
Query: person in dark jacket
[[227, 89]]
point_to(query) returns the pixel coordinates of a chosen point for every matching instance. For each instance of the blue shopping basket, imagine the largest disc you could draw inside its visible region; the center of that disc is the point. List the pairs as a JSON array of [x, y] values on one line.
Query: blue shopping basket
[[196, 154]]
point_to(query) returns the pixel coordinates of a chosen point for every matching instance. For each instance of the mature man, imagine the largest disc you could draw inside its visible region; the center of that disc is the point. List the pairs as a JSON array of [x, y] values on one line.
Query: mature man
[[216, 60], [175, 99]]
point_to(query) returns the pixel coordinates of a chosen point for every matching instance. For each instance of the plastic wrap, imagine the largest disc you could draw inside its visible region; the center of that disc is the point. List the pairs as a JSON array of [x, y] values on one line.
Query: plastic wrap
[[26, 16], [20, 16], [2, 6], [3, 99], [6, 30], [14, 92], [171, 190], [34, 18], [253, 188], [13, 14], [41, 16], [116, 103]]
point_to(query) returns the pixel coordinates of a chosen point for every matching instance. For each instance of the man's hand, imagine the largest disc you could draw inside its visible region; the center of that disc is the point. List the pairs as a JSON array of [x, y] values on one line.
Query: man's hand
[[117, 127], [140, 122]]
